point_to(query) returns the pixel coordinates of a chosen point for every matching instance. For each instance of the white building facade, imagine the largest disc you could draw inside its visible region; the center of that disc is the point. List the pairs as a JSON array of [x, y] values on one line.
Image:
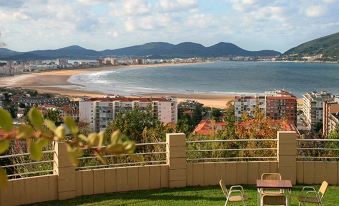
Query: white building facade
[[248, 103], [313, 107], [99, 112]]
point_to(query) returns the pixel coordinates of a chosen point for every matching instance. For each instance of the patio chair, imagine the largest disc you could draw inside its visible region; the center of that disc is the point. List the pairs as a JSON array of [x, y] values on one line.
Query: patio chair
[[271, 176], [310, 195], [270, 194], [234, 194], [276, 199]]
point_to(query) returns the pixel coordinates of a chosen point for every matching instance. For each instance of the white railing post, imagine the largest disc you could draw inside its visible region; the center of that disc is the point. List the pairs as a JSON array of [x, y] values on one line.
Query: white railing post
[[65, 171], [287, 155], [176, 159]]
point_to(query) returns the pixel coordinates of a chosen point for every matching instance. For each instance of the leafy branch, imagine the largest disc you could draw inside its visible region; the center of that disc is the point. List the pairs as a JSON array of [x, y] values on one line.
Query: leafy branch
[[40, 131]]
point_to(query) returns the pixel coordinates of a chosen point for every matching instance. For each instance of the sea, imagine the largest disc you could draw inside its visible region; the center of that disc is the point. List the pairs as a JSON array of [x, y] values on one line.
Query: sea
[[222, 77]]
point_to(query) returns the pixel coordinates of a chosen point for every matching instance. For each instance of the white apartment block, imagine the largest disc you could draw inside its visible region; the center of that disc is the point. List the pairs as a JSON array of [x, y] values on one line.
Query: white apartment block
[[313, 106], [248, 104], [99, 112], [277, 105]]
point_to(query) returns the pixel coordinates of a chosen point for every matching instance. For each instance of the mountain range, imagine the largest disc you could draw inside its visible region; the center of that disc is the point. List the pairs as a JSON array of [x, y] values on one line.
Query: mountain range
[[150, 50], [327, 47]]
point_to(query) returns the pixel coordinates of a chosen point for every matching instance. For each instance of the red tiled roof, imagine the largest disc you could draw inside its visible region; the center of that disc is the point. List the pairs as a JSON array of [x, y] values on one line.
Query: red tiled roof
[[205, 127]]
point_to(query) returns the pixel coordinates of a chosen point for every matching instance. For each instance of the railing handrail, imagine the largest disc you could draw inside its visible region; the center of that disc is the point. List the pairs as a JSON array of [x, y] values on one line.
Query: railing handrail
[[150, 143], [25, 154], [318, 140], [229, 158], [231, 140], [241, 149], [133, 154], [27, 163], [123, 164]]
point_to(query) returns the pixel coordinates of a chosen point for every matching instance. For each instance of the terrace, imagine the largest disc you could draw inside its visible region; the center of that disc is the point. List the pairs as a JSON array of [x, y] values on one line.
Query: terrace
[[176, 172]]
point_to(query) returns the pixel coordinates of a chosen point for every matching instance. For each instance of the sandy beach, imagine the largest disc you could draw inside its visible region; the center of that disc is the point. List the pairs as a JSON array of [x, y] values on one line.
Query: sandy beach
[[56, 82]]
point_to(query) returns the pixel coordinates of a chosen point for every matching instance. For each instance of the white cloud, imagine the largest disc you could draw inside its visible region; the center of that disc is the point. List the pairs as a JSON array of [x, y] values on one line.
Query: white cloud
[[329, 1], [242, 5], [101, 24], [177, 5], [315, 11]]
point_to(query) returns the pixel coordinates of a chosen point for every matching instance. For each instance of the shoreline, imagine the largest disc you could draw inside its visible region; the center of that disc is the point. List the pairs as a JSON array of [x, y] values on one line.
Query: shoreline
[[56, 82]]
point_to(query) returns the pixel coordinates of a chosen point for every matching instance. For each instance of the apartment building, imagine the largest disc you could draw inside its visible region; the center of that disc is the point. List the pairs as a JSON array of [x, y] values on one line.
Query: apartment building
[[281, 105], [276, 105], [99, 112], [313, 107], [248, 104], [330, 116]]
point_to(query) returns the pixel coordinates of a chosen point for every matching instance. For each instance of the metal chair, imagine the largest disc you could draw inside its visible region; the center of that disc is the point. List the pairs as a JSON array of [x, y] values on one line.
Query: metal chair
[[270, 194], [234, 194], [311, 195], [276, 199], [271, 176]]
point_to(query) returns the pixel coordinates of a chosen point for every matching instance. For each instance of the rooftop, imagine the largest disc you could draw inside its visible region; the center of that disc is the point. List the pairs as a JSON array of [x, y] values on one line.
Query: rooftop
[[315, 96], [206, 127], [130, 99]]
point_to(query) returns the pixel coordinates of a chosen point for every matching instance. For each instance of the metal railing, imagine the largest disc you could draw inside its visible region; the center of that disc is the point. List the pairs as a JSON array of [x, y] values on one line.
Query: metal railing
[[232, 150], [20, 165], [145, 154], [317, 149]]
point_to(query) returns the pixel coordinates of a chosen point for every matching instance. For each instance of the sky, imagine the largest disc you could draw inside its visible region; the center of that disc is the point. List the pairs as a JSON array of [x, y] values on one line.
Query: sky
[[109, 24]]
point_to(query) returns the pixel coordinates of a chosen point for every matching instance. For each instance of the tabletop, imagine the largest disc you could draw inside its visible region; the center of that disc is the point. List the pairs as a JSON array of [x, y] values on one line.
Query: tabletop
[[282, 184]]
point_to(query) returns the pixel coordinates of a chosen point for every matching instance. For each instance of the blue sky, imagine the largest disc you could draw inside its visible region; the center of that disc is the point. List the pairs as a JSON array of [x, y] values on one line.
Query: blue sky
[[107, 24]]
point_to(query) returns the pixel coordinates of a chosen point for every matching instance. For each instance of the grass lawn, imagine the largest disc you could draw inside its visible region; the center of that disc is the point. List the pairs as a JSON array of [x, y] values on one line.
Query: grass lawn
[[184, 196]]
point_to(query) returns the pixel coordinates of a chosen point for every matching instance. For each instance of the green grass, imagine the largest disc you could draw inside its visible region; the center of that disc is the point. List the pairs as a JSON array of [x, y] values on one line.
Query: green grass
[[184, 196]]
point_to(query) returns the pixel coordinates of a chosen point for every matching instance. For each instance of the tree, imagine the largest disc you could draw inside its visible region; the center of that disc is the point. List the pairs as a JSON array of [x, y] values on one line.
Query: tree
[[132, 123], [54, 115], [216, 114], [185, 125]]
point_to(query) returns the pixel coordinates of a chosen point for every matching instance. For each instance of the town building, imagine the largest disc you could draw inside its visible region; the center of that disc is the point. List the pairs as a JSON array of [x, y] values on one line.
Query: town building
[[281, 105], [313, 107], [110, 61], [36, 101], [99, 112], [330, 116], [276, 105], [208, 127], [248, 104]]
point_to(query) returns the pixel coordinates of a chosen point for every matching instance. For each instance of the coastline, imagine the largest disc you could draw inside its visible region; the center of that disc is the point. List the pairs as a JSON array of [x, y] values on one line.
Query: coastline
[[56, 82]]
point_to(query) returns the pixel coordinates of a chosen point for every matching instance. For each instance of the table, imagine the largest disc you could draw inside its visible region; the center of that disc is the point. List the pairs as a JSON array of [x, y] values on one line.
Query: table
[[273, 184]]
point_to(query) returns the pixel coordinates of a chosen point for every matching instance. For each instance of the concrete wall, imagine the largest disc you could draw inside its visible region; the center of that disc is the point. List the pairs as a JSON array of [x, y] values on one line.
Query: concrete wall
[[311, 172], [29, 190], [67, 182], [204, 174]]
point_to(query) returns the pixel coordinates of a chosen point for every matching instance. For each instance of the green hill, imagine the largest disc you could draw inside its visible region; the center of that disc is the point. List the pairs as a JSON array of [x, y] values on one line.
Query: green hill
[[327, 46]]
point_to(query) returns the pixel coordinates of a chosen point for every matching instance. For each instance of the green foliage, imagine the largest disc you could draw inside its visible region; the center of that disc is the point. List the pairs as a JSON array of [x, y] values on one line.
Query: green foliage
[[185, 124], [40, 132], [53, 115], [132, 123], [4, 145], [328, 46], [6, 120], [216, 114], [35, 117]]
